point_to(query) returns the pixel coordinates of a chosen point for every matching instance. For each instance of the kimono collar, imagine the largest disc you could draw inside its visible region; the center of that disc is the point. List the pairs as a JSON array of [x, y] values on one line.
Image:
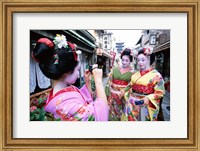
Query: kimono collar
[[124, 70], [145, 72]]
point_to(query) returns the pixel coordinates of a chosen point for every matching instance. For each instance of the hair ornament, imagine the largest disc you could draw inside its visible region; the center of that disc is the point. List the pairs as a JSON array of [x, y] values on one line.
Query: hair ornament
[[56, 58], [135, 52], [79, 55], [60, 41], [148, 51], [46, 41], [131, 53], [127, 49]]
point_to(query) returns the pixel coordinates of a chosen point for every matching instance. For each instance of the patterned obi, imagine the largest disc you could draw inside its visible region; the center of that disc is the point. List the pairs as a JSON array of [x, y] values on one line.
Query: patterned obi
[[143, 89], [117, 85], [119, 82]]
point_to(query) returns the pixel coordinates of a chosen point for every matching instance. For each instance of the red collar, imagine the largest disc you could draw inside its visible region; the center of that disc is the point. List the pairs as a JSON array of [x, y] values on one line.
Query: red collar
[[67, 89], [145, 72]]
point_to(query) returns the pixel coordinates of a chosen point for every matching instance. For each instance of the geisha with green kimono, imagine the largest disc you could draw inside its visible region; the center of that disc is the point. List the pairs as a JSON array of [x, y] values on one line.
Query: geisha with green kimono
[[119, 78], [145, 90]]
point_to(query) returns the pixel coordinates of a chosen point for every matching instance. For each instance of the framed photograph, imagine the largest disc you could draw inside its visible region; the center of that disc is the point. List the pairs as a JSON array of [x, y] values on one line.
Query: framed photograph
[[20, 17]]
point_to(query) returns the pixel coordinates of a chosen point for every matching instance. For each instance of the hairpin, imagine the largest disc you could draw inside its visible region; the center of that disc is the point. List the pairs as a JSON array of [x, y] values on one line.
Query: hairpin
[[56, 58]]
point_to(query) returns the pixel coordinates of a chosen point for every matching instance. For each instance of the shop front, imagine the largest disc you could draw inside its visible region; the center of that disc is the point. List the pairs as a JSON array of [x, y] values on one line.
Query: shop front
[[104, 61]]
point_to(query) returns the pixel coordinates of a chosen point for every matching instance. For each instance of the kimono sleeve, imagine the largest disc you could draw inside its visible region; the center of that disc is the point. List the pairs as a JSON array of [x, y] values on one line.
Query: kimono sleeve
[[75, 107], [154, 98], [107, 87]]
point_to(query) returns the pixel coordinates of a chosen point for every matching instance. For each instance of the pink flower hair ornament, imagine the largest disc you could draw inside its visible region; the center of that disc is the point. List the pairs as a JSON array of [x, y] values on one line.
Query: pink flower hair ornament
[[148, 50]]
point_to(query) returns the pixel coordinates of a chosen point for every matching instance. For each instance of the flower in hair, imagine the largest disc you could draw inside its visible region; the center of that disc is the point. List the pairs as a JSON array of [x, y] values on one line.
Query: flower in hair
[[148, 51], [60, 41]]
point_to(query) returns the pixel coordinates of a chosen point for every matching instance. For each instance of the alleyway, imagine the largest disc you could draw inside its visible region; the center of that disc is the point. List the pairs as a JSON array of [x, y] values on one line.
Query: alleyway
[[105, 79]]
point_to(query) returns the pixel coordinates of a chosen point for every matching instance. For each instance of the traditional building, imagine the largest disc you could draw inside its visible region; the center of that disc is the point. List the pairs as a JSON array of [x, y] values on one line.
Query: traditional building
[[104, 43], [119, 46]]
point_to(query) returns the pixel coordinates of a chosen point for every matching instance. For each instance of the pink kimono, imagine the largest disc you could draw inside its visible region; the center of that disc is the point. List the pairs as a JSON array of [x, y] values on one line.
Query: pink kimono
[[73, 104]]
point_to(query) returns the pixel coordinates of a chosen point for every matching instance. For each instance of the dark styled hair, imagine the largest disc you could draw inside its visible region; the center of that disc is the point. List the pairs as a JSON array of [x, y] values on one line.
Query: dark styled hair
[[127, 52], [152, 56], [44, 53]]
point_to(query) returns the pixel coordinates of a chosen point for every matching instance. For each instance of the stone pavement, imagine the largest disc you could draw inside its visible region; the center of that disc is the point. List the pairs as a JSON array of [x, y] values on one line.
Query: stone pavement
[[105, 79], [166, 106]]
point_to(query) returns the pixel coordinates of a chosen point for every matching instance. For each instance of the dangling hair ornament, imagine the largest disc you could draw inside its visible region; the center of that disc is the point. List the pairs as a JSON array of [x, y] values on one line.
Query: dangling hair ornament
[[56, 58], [135, 52], [148, 51], [76, 53], [131, 53], [79, 55]]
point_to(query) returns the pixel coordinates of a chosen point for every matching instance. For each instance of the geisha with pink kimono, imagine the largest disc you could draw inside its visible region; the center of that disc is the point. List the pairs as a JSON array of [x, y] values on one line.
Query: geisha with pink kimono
[[59, 61], [145, 90]]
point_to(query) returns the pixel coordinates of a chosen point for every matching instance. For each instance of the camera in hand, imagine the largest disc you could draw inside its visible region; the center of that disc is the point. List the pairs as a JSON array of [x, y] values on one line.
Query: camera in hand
[[140, 102], [90, 68]]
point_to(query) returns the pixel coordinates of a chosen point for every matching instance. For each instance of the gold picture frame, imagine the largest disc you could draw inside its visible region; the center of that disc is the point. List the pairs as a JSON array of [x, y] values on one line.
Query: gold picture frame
[[9, 7]]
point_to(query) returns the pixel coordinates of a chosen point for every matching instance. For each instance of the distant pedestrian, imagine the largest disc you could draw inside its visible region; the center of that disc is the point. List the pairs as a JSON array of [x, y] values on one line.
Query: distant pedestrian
[[119, 78], [145, 90]]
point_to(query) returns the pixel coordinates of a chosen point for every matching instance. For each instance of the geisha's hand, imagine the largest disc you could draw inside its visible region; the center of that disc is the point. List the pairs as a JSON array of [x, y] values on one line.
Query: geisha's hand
[[97, 73], [146, 101], [87, 77], [132, 100]]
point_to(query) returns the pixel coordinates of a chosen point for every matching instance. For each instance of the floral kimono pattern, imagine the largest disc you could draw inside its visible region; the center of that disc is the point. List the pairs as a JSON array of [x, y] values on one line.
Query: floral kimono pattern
[[148, 84], [117, 81], [73, 104]]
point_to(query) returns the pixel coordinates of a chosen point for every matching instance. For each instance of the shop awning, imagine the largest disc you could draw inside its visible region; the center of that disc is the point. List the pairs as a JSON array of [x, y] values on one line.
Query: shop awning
[[161, 47], [139, 41], [102, 52], [80, 38]]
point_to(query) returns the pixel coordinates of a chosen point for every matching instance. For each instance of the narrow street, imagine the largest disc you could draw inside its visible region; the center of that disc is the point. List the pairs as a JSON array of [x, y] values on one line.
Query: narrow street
[[105, 80]]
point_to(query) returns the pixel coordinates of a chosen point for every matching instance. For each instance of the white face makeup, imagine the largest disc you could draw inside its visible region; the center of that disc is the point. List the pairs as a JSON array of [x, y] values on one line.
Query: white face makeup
[[71, 78], [143, 62], [125, 61]]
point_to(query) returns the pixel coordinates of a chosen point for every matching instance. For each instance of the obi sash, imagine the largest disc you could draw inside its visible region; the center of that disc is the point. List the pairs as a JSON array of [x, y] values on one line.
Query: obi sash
[[119, 82], [143, 89]]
